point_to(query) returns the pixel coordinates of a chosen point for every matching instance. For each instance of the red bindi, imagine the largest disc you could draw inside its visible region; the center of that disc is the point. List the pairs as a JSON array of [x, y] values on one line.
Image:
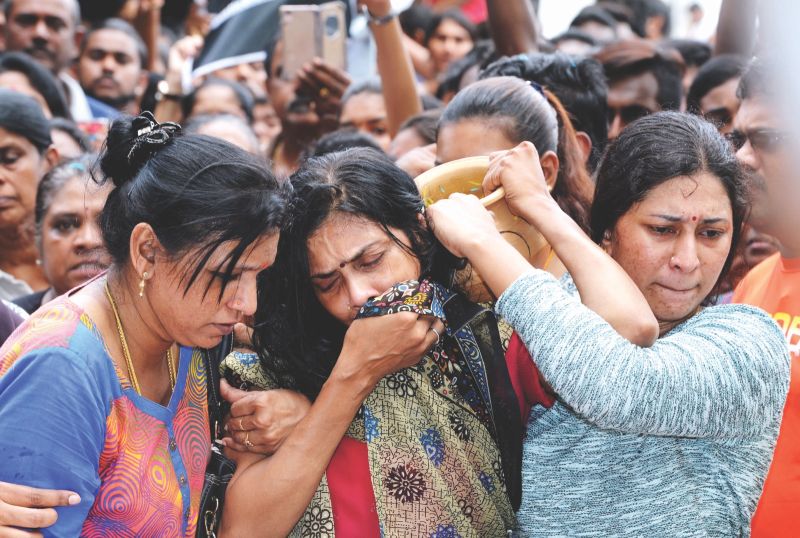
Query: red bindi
[[694, 218]]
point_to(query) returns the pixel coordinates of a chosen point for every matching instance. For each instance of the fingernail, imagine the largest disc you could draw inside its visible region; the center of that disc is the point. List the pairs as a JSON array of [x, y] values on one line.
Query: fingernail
[[74, 499]]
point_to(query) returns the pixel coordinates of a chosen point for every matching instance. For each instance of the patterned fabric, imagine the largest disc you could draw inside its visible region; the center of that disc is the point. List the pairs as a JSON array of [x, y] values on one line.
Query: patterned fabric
[[670, 440], [435, 466], [70, 419]]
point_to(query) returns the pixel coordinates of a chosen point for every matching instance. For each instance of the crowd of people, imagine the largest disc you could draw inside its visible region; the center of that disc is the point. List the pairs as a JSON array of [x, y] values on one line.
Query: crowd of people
[[592, 330]]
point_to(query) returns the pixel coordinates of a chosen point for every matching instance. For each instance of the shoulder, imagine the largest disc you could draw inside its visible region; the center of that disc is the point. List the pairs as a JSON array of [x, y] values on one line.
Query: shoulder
[[744, 330], [59, 331]]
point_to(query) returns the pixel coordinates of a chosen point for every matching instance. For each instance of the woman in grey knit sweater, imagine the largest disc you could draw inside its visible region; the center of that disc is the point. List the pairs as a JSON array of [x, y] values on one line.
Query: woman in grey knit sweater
[[670, 438]]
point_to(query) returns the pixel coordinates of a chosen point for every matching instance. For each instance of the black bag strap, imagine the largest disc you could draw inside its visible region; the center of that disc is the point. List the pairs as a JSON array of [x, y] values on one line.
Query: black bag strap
[[461, 311], [213, 358]]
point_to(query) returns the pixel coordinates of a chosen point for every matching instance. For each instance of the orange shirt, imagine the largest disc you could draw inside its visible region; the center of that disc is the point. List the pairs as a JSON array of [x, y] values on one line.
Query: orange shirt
[[774, 285]]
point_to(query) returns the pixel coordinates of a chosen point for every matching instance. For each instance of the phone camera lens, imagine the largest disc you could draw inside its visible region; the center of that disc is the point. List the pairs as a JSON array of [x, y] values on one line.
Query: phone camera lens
[[331, 25]]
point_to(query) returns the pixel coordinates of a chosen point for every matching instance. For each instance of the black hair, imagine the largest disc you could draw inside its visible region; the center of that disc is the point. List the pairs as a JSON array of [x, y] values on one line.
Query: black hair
[[579, 83], [635, 57], [425, 124], [119, 25], [430, 102], [243, 96], [594, 14], [55, 180], [22, 115], [457, 17], [694, 53], [716, 72], [71, 129], [298, 340], [196, 123], [575, 35], [758, 79], [655, 149], [342, 139], [523, 112], [369, 85], [481, 55], [40, 79], [195, 191], [416, 18]]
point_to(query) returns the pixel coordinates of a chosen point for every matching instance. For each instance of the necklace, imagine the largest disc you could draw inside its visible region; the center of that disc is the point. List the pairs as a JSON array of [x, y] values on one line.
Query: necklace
[[173, 375]]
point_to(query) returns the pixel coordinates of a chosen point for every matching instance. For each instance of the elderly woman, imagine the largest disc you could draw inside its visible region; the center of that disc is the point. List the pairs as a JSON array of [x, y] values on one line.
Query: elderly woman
[[669, 440], [27, 155], [71, 250]]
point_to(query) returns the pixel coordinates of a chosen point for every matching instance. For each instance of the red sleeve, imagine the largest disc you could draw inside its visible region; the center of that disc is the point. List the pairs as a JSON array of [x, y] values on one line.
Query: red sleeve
[[526, 379]]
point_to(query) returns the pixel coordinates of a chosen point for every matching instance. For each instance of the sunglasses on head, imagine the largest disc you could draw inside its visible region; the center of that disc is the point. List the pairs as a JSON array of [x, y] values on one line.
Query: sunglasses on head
[[766, 140]]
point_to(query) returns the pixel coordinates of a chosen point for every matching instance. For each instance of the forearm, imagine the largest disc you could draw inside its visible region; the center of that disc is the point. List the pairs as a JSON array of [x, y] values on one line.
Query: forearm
[[397, 74], [736, 28], [603, 285], [420, 57], [270, 496], [512, 24]]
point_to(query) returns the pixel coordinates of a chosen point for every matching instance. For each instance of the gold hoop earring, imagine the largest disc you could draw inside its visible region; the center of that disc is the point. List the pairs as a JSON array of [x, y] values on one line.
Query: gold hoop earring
[[142, 283]]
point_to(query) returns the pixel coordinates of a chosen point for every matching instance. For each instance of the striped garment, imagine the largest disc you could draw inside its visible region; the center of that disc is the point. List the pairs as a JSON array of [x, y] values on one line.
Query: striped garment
[[671, 440], [70, 420]]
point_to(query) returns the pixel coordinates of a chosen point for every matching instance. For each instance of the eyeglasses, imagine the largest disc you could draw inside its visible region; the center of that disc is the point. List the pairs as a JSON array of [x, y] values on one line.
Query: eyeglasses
[[764, 140]]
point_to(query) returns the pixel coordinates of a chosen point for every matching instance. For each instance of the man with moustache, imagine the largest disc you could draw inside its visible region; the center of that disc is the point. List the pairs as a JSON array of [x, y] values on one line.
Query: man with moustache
[[111, 68], [767, 149], [49, 31]]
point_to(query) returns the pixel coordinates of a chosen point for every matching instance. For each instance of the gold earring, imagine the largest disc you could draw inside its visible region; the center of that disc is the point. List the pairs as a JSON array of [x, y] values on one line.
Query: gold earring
[[141, 284]]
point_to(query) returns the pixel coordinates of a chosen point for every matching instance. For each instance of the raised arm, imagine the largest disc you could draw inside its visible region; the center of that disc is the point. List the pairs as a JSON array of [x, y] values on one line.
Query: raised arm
[[724, 376], [268, 496], [394, 66], [603, 285], [513, 26], [736, 29]]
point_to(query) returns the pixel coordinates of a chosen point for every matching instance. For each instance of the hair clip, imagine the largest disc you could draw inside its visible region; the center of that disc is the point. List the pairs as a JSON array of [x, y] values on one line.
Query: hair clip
[[536, 86], [151, 134]]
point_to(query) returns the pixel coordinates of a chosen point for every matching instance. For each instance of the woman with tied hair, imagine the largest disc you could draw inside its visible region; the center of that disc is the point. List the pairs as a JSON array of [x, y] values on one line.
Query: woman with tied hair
[[673, 439], [499, 113], [27, 155], [71, 250], [190, 224]]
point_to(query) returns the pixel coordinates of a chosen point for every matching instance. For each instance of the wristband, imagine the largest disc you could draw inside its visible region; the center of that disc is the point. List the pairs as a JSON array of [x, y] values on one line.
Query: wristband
[[379, 21]]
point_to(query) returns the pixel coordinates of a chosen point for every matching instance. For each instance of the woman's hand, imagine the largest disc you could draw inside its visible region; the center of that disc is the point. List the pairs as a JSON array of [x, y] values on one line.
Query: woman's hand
[[519, 172], [376, 347], [261, 420], [461, 222], [30, 508]]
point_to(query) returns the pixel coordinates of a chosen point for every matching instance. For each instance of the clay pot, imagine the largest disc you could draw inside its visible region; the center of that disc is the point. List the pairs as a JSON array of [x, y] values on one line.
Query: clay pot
[[466, 176]]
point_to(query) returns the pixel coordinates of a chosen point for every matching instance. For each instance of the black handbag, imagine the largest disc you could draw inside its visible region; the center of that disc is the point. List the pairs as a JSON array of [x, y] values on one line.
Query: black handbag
[[220, 469]]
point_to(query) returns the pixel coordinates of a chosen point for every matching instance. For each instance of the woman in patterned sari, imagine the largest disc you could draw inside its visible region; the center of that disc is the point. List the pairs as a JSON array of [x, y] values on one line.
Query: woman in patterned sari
[[434, 449]]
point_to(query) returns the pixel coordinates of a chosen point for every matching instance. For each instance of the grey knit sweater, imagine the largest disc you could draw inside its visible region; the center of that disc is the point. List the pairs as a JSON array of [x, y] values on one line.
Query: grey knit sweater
[[671, 440]]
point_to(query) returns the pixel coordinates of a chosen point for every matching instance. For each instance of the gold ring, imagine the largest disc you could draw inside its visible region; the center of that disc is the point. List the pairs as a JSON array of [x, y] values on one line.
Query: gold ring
[[324, 92], [438, 336], [247, 442], [241, 426]]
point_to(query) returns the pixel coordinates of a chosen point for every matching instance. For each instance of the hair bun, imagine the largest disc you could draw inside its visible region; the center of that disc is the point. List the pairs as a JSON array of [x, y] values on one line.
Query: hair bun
[[131, 142]]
